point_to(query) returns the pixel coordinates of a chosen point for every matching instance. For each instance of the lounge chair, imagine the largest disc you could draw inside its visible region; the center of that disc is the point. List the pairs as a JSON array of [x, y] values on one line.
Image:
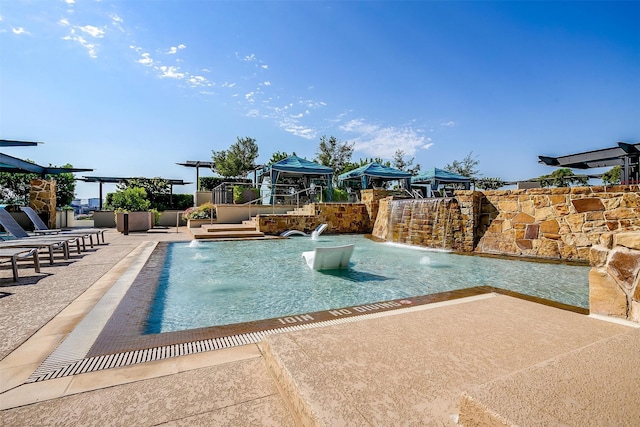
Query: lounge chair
[[329, 258], [41, 227], [49, 245], [24, 239], [13, 254]]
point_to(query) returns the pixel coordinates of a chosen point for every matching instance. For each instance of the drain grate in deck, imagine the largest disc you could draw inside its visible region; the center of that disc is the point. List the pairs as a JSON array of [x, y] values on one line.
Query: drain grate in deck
[[51, 369]]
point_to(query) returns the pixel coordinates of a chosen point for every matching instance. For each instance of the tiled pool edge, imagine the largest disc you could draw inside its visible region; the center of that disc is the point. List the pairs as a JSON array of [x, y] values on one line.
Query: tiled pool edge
[[78, 342], [71, 359], [98, 363]]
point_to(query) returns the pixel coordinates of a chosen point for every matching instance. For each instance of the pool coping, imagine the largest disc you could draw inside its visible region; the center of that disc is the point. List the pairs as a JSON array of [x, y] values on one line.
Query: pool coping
[[114, 337]]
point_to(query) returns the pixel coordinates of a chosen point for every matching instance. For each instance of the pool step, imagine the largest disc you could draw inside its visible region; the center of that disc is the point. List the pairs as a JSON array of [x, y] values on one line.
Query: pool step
[[226, 231]]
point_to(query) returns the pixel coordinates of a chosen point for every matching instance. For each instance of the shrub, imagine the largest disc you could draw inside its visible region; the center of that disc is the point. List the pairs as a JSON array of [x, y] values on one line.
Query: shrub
[[204, 211], [132, 199]]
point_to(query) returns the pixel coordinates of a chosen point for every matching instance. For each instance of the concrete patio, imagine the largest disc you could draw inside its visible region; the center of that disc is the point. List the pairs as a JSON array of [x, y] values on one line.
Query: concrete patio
[[484, 360]]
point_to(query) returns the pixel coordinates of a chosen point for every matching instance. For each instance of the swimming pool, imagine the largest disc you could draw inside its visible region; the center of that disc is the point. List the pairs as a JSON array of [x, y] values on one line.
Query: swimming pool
[[220, 283]]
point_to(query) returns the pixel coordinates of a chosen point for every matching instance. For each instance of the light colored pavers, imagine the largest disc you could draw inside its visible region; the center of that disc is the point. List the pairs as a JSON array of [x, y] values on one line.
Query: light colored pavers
[[412, 369], [595, 385]]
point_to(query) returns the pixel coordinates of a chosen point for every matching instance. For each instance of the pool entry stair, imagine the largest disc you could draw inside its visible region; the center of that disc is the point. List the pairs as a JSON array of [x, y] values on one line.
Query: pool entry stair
[[227, 231], [503, 361]]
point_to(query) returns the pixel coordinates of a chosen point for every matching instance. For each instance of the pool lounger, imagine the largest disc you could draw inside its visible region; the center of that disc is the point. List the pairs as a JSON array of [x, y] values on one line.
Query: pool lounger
[[41, 228], [13, 254], [329, 258]]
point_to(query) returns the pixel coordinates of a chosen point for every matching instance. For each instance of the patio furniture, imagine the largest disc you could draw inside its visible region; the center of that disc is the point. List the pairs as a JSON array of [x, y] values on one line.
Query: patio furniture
[[24, 239], [13, 254], [329, 258], [41, 227]]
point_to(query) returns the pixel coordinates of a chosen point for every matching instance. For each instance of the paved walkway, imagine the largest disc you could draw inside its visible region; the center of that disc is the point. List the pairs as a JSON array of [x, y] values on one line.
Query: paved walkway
[[415, 367]]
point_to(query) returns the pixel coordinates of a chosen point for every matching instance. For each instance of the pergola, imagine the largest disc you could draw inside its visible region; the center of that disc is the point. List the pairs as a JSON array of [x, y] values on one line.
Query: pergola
[[12, 164], [117, 180], [625, 155], [197, 164]]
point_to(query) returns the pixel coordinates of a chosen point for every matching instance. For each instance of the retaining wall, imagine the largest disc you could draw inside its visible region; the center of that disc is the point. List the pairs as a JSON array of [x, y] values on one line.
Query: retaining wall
[[614, 288], [556, 223], [339, 217]]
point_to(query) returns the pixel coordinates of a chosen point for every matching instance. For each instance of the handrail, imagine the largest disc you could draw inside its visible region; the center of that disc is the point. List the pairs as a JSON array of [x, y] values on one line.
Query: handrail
[[315, 189]]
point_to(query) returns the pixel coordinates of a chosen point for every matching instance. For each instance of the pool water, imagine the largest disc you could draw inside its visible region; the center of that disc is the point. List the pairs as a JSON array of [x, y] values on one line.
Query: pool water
[[219, 283]]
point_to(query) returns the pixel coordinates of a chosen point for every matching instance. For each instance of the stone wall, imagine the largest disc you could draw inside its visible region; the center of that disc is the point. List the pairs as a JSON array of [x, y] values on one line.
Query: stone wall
[[42, 198], [614, 288], [371, 198], [339, 217], [446, 223], [556, 223]]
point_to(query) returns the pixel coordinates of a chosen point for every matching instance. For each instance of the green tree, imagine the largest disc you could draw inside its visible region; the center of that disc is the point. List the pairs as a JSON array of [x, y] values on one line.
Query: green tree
[[237, 160], [279, 155], [489, 183], [334, 153], [65, 187], [15, 187], [612, 176], [399, 162], [158, 190], [562, 177], [465, 167]]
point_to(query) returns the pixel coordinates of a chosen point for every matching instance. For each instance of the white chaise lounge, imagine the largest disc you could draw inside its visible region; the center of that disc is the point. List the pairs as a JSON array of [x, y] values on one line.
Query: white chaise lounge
[[329, 258]]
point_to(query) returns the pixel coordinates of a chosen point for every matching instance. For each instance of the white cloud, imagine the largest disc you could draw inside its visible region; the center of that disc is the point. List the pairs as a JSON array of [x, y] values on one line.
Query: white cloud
[[91, 48], [448, 124], [199, 81], [383, 142], [298, 130], [264, 66], [19, 31], [170, 72], [92, 31], [64, 21], [227, 84], [70, 1], [266, 83], [359, 126], [174, 49], [145, 59], [117, 19], [249, 58]]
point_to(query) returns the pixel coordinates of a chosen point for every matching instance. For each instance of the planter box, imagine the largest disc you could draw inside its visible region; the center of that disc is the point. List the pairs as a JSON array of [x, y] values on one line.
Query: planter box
[[197, 223], [138, 221], [104, 219]]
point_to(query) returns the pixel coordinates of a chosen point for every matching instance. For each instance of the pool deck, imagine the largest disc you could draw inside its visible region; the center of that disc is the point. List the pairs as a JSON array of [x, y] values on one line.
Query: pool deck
[[484, 360]]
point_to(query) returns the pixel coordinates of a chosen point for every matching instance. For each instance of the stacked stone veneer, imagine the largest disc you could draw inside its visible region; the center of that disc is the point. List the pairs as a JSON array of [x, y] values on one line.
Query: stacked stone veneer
[[436, 223], [42, 198], [557, 223], [614, 288], [339, 217]]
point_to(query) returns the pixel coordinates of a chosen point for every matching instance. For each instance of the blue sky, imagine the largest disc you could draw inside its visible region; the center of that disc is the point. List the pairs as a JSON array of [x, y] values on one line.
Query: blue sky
[[131, 88]]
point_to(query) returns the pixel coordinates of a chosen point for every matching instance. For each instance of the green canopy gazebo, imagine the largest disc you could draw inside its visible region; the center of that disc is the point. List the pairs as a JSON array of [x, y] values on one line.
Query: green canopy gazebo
[[294, 166], [367, 174], [434, 177]]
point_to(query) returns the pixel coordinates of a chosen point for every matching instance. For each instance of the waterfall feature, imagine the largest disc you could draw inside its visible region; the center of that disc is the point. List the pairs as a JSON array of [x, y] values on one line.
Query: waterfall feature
[[434, 223]]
